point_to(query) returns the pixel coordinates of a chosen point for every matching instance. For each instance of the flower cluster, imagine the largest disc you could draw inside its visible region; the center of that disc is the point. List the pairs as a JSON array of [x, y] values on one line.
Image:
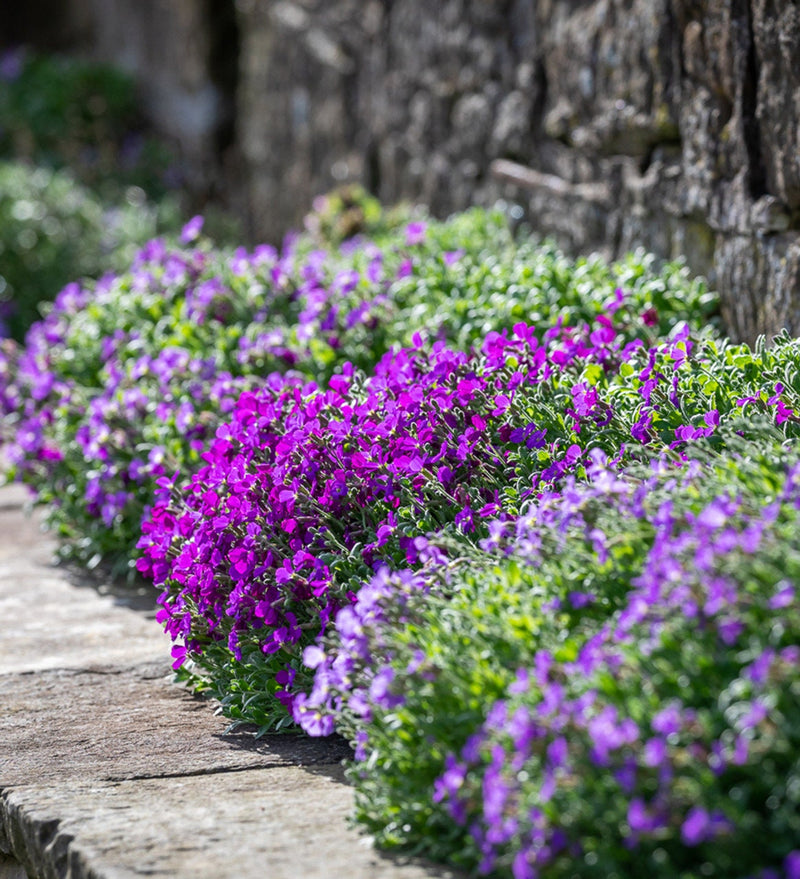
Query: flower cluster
[[306, 490], [563, 520], [311, 489], [520, 533], [124, 381], [651, 723], [676, 721]]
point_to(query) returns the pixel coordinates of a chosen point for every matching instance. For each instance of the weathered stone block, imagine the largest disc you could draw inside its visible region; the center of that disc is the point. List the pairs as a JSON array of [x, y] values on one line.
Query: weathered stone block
[[776, 30]]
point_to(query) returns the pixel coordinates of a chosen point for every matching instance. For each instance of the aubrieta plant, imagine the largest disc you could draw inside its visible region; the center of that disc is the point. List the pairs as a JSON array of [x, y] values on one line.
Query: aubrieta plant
[[522, 529], [307, 489], [125, 380], [607, 687]]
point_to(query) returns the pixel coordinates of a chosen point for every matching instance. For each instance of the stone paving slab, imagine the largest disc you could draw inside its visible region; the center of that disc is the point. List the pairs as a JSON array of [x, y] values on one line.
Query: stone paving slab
[[269, 823], [129, 723], [50, 619], [108, 770]]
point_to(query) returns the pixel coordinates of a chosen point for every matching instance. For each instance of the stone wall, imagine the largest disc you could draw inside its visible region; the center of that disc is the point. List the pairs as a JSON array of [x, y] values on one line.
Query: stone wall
[[668, 124]]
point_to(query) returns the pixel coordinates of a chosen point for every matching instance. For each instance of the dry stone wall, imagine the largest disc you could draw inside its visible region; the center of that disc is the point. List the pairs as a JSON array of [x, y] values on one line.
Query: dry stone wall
[[668, 124]]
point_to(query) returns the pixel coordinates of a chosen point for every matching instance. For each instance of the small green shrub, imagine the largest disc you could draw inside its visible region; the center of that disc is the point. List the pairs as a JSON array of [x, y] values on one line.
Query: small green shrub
[[350, 212], [81, 182], [52, 231]]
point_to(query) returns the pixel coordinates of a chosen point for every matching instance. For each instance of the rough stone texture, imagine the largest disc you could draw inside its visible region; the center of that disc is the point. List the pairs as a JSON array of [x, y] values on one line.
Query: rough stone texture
[[109, 771], [409, 98], [668, 124], [10, 868], [119, 723], [274, 822], [685, 112]]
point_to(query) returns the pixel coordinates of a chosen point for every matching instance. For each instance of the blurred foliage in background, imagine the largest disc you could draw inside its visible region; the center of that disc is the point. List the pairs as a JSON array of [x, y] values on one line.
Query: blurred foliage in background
[[82, 184], [67, 113], [54, 230]]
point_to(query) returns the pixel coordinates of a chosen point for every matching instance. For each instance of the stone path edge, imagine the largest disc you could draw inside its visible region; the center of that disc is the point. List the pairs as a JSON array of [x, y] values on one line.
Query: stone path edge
[[109, 770]]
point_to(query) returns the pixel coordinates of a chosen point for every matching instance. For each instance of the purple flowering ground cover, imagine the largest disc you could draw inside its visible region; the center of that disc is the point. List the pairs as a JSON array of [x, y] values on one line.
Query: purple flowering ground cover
[[124, 381], [608, 686], [523, 530], [307, 490]]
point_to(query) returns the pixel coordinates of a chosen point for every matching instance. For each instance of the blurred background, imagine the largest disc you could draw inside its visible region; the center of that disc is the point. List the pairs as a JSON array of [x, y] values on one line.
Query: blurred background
[[607, 125]]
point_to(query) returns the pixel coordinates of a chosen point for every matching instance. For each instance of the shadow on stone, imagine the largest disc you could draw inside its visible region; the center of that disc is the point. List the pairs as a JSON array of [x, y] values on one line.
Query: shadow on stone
[[138, 595], [292, 747]]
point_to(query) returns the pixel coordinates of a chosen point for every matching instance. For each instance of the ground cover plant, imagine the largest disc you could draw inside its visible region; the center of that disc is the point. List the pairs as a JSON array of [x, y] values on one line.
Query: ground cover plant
[[522, 529], [307, 489], [125, 379], [608, 686]]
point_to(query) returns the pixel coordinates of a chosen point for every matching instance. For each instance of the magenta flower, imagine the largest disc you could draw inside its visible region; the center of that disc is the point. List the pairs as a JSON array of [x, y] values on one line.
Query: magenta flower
[[415, 233], [191, 231], [791, 865]]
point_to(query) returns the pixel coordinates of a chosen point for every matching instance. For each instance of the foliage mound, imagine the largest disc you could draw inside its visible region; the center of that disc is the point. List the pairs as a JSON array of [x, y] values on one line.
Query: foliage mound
[[125, 379], [314, 487], [607, 686], [523, 529], [584, 589]]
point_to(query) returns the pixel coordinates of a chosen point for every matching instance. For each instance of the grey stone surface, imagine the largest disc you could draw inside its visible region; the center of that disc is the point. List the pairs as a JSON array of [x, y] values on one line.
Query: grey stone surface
[[115, 723], [10, 868], [109, 770], [52, 620], [686, 112], [275, 822]]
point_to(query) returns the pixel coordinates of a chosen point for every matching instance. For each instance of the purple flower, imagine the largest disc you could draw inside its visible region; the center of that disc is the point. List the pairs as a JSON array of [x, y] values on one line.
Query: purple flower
[[313, 721], [381, 692], [557, 752], [415, 233], [451, 780], [641, 428], [178, 655], [313, 656], [655, 752], [191, 231], [696, 826], [791, 865], [784, 596], [465, 520], [667, 722], [639, 818]]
